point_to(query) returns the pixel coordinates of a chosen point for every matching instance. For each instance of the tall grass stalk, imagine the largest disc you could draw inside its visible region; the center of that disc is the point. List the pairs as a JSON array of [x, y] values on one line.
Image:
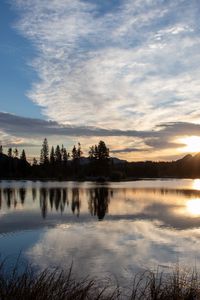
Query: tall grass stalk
[[62, 285]]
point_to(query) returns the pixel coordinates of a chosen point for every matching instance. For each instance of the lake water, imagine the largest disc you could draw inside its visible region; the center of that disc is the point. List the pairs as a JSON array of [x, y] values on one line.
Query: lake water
[[105, 229]]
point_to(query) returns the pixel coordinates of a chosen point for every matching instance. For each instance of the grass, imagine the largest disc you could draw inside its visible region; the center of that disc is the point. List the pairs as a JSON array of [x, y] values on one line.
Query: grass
[[62, 285]]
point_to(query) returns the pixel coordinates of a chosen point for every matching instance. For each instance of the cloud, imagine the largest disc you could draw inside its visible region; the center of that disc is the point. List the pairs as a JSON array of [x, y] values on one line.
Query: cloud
[[129, 65], [19, 126], [13, 124], [128, 150], [17, 131]]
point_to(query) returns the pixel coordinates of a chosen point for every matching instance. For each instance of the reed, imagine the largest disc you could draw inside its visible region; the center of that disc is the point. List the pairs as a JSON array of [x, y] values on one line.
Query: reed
[[62, 285]]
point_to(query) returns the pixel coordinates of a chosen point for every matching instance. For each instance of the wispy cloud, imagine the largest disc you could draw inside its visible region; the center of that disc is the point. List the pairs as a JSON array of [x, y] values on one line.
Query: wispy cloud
[[129, 66]]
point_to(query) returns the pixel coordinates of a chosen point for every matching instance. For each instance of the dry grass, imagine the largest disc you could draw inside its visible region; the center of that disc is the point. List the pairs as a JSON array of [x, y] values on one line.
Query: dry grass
[[176, 285], [62, 285]]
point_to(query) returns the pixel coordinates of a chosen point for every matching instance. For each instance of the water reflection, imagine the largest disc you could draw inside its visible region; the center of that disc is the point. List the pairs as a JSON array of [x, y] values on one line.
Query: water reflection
[[99, 201], [57, 198], [76, 203], [142, 224], [175, 207], [193, 207], [196, 184]]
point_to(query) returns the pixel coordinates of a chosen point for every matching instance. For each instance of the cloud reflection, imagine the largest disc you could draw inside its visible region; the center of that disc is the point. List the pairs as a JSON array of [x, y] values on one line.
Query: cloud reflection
[[141, 226], [118, 248]]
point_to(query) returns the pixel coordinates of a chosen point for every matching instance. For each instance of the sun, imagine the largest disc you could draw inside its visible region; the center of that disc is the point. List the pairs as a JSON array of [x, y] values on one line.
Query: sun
[[192, 143]]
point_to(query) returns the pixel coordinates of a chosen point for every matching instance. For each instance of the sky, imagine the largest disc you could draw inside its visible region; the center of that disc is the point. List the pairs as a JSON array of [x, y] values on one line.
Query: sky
[[125, 71]]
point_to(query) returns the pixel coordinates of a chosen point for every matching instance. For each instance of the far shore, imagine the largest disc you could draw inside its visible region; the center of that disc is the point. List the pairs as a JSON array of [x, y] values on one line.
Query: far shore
[[94, 179]]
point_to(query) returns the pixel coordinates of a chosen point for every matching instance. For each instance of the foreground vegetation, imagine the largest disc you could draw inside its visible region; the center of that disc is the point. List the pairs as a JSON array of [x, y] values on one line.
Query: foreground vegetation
[[62, 285]]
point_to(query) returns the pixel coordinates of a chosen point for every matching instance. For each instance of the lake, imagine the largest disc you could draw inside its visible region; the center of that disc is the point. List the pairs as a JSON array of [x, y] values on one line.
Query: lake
[[112, 229]]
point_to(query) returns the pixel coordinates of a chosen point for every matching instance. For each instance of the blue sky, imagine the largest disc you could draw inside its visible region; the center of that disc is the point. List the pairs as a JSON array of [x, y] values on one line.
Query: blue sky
[[127, 68], [15, 74]]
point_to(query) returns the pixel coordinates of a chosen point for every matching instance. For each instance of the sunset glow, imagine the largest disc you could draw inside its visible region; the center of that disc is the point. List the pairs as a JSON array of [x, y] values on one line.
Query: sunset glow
[[125, 72], [196, 184], [192, 144], [193, 206], [99, 148]]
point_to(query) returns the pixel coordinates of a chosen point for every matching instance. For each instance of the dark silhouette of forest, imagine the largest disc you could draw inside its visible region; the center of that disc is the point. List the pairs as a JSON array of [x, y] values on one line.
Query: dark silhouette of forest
[[59, 164]]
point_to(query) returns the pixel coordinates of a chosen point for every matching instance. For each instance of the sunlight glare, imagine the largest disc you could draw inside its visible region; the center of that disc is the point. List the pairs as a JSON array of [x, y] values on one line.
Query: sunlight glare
[[192, 143], [196, 184], [193, 206]]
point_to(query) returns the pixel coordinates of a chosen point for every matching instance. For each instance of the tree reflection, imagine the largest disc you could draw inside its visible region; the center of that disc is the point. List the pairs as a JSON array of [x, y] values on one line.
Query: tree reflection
[[8, 195], [22, 195], [75, 205], [43, 202], [34, 194], [51, 197], [57, 199], [99, 201]]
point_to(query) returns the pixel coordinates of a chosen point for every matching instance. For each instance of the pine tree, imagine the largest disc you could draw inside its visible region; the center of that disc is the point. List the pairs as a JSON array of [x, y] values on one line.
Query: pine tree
[[79, 151], [16, 152], [44, 155], [103, 151], [52, 156], [92, 152], [23, 155], [65, 156], [99, 152], [9, 152], [62, 151], [34, 162], [96, 152], [58, 155], [74, 153], [1, 149]]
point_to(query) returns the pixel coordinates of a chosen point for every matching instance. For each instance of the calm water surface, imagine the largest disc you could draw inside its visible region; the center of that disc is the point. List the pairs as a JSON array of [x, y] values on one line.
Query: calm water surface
[[105, 229]]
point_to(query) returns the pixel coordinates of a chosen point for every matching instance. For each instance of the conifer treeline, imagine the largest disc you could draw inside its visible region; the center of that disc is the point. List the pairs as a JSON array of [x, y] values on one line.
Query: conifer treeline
[[56, 162], [61, 155], [14, 153]]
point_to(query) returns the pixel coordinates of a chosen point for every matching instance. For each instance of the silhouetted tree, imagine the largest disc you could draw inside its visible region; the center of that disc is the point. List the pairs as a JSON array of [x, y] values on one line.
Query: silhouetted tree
[[23, 155], [65, 156], [44, 155], [96, 152], [1, 149], [74, 153], [34, 161], [92, 152], [9, 152], [58, 155], [79, 151], [103, 151], [52, 156], [62, 151], [16, 152]]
